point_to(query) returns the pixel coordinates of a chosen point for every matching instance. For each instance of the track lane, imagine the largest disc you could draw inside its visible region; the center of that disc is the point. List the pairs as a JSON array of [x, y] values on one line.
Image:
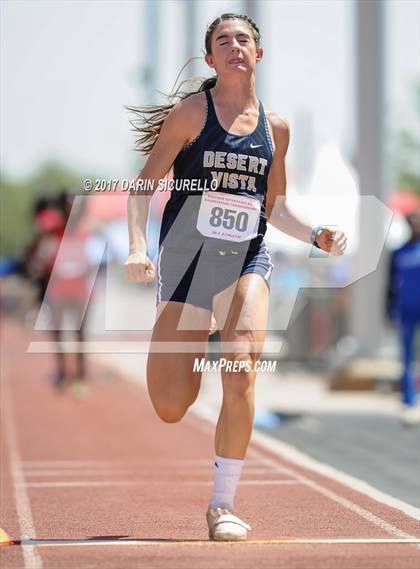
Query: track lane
[[152, 481]]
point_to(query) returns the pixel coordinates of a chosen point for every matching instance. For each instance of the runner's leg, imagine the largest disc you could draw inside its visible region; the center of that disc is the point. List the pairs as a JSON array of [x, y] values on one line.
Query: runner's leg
[[246, 325], [81, 336], [407, 382], [57, 311], [243, 309], [171, 380]]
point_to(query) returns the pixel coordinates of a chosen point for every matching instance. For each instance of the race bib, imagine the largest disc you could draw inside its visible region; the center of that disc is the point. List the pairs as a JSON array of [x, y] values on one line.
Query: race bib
[[229, 217]]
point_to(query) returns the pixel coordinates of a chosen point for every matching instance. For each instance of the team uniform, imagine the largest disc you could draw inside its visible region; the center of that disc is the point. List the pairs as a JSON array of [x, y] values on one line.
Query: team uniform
[[213, 229]]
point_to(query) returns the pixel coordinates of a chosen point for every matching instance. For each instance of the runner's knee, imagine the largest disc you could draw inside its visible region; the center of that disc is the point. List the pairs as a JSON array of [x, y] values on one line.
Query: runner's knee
[[169, 411], [171, 391], [238, 376]]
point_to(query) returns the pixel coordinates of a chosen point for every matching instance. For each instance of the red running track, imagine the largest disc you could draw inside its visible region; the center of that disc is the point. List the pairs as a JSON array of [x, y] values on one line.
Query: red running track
[[102, 482]]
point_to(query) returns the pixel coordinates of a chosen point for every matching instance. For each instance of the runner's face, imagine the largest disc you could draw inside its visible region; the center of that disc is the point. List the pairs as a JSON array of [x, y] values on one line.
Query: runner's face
[[233, 48]]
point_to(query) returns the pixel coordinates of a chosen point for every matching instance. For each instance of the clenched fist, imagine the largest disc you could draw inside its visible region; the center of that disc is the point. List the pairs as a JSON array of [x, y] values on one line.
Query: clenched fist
[[139, 268], [332, 241]]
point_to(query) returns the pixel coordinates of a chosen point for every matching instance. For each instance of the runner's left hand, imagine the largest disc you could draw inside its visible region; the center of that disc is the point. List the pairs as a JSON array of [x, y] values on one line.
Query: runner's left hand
[[332, 240]]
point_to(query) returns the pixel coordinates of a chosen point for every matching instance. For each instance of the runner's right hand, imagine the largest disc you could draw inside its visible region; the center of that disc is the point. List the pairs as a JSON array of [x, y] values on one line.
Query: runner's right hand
[[139, 268]]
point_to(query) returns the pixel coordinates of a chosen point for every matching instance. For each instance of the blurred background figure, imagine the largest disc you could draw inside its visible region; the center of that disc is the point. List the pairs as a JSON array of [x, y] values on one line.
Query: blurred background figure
[[403, 310], [42, 250], [65, 294]]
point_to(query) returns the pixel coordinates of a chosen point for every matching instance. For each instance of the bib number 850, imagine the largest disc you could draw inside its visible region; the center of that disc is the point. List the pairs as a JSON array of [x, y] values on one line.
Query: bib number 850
[[229, 219]]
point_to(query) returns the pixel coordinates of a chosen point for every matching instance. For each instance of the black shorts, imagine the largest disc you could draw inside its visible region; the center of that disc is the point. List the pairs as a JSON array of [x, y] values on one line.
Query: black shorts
[[183, 276]]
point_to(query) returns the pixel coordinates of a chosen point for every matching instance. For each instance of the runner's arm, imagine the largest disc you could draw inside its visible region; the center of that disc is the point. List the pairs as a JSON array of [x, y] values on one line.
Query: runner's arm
[[173, 136], [279, 214]]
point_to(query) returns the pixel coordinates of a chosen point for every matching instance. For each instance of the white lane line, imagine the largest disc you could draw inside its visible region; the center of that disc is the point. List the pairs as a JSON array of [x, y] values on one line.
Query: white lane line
[[110, 483], [66, 472], [204, 418], [31, 558], [72, 464], [75, 464], [362, 512], [266, 482], [291, 454], [299, 541], [198, 470]]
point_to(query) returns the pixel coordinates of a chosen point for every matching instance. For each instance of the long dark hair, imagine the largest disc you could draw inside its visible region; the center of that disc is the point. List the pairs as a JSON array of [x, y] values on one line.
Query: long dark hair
[[149, 118]]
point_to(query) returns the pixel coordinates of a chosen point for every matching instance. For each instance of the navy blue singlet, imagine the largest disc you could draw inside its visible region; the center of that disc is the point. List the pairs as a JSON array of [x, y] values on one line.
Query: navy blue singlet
[[240, 163]]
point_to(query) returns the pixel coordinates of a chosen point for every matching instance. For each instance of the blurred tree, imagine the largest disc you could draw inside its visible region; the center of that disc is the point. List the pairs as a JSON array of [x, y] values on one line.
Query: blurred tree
[[52, 177], [407, 153], [17, 200], [16, 225]]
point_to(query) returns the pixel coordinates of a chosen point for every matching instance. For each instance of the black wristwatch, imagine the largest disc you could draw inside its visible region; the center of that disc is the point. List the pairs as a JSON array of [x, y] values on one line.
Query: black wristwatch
[[315, 232]]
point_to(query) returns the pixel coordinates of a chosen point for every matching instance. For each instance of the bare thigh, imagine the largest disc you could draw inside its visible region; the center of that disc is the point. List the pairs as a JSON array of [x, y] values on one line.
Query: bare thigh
[[172, 382], [241, 312]]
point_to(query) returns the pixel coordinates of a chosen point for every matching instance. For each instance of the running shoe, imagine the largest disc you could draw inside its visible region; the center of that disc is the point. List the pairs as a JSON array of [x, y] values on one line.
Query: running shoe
[[410, 415], [79, 388], [225, 526]]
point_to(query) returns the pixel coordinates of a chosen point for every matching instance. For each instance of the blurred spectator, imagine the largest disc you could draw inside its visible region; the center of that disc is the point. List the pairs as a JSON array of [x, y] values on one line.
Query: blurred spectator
[[40, 255], [403, 310], [60, 268]]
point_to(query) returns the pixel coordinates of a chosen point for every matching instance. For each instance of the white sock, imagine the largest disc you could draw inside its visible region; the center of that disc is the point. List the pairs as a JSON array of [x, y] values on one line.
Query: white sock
[[227, 472]]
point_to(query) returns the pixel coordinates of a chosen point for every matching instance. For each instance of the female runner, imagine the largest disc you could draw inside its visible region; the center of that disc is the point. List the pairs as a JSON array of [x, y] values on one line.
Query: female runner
[[212, 256]]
